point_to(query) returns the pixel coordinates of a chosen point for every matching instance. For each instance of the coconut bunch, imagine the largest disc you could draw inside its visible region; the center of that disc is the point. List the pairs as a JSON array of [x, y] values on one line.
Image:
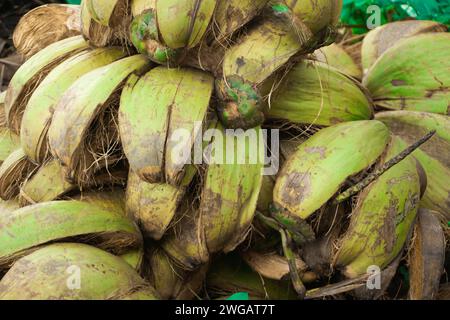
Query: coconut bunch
[[115, 153]]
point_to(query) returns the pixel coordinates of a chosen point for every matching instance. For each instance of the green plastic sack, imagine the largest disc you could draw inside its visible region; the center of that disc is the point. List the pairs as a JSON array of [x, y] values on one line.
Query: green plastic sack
[[73, 1], [355, 12]]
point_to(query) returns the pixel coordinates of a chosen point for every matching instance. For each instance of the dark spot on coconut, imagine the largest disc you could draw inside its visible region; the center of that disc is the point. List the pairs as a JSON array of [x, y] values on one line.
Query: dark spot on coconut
[[398, 83], [297, 188], [240, 61]]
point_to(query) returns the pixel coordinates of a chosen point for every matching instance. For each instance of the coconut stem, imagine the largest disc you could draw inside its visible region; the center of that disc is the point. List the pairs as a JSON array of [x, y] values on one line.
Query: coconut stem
[[379, 172], [286, 241]]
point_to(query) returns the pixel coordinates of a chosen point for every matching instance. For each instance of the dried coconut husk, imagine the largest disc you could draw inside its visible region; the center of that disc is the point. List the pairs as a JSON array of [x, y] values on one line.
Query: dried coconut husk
[[13, 172], [31, 74], [273, 266], [170, 281], [444, 292], [107, 23], [45, 25], [426, 257], [84, 130]]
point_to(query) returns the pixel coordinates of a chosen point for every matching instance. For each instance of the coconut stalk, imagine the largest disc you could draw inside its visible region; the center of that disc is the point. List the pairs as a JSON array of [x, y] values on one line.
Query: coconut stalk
[[31, 74], [39, 110], [28, 228], [45, 25], [105, 22], [380, 39], [47, 184], [44, 275], [83, 133], [382, 219], [15, 169], [406, 77], [426, 257], [432, 156], [162, 97], [314, 93], [335, 56], [321, 166]]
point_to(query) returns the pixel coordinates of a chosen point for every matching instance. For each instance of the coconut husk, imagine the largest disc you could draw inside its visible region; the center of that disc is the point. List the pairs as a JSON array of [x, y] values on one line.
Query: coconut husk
[[170, 281], [405, 77], [47, 184], [45, 25], [31, 74], [315, 94], [383, 217], [106, 23], [275, 267], [426, 257], [44, 275], [78, 221], [433, 156], [84, 132], [9, 142], [335, 56], [15, 169], [380, 39]]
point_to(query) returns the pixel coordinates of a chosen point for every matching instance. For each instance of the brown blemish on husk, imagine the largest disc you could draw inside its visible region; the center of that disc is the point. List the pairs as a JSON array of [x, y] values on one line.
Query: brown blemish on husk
[[297, 188]]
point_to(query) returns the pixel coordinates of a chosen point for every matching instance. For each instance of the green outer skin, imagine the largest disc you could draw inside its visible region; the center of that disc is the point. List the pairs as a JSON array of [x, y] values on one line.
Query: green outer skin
[[152, 205], [230, 15], [380, 39], [433, 156], [315, 172], [9, 142], [36, 64], [39, 110], [315, 93], [152, 109], [407, 77], [231, 273], [81, 103], [316, 14], [335, 56], [45, 275], [175, 21], [134, 258], [263, 50], [382, 220], [47, 184], [231, 192], [38, 224]]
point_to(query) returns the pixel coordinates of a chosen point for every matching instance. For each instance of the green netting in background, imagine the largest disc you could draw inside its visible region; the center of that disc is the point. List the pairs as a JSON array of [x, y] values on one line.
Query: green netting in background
[[355, 11]]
